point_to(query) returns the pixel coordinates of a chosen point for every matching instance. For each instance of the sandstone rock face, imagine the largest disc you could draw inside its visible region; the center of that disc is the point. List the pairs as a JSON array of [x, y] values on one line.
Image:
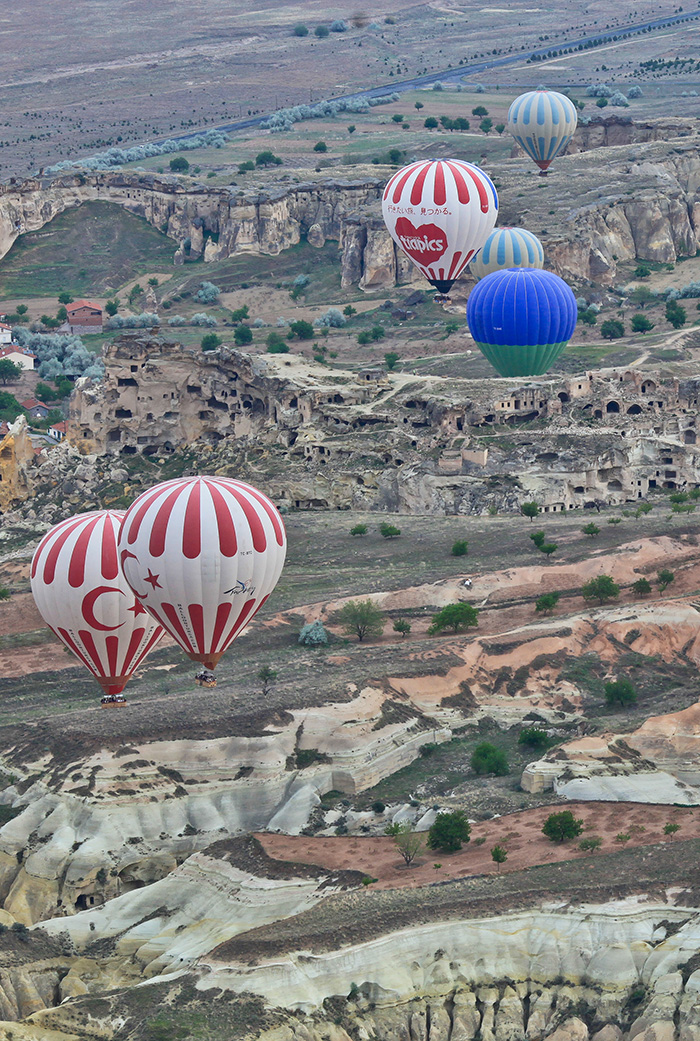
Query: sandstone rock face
[[16, 463]]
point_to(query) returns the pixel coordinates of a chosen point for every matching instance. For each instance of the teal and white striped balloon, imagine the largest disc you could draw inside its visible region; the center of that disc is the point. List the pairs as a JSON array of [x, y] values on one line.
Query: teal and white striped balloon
[[542, 122], [506, 248]]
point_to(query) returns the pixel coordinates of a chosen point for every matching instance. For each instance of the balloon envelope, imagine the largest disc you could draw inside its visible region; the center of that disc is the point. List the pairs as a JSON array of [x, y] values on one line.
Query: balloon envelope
[[521, 319], [81, 594], [440, 212], [507, 247], [542, 122], [203, 554]]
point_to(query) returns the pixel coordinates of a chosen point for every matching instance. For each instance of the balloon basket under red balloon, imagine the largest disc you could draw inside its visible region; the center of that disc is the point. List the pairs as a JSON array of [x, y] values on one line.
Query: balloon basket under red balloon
[[441, 298], [543, 173], [205, 678]]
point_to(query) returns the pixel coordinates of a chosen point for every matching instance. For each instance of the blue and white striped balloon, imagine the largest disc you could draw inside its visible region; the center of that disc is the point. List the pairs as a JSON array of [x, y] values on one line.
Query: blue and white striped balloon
[[505, 248], [542, 122]]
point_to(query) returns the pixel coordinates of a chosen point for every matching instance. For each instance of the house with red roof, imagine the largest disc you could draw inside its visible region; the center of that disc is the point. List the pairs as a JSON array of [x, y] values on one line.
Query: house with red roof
[[58, 430], [5, 333], [36, 409], [21, 356], [84, 316]]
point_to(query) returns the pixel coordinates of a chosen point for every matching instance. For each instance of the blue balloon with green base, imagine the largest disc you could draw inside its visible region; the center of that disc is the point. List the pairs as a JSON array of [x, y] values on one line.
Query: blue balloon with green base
[[521, 319]]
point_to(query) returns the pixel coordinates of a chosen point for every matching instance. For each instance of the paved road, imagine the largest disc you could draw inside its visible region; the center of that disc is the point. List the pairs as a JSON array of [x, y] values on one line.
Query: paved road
[[448, 75]]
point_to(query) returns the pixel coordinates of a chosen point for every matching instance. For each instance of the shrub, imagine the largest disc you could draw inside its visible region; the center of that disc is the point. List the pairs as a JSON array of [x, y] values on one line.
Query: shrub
[[620, 692], [276, 344], [210, 342], [590, 529], [402, 626], [321, 31], [242, 335], [538, 538], [449, 831], [390, 359], [388, 531], [664, 577], [359, 529], [302, 329], [457, 617], [408, 842], [331, 319], [320, 146], [460, 548], [641, 587], [430, 123], [612, 329], [378, 806], [488, 759], [546, 603], [300, 30], [533, 737], [267, 158], [601, 589], [313, 634], [339, 26], [562, 826], [207, 293], [591, 844], [246, 167], [548, 548], [202, 318], [179, 164]]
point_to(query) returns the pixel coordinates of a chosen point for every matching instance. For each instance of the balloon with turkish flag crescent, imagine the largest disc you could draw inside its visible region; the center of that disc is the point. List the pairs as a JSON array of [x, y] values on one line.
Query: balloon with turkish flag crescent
[[80, 591], [202, 554], [440, 212]]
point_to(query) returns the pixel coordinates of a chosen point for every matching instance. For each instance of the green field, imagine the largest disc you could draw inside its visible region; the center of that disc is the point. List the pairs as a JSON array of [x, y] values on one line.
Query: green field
[[90, 251]]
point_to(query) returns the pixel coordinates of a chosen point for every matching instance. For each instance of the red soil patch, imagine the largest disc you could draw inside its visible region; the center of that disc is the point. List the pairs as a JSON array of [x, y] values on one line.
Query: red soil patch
[[520, 834]]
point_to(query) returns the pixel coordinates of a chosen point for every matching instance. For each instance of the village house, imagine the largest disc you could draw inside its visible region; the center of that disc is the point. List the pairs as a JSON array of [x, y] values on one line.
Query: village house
[[84, 317], [21, 356], [5, 333], [35, 408], [58, 430]]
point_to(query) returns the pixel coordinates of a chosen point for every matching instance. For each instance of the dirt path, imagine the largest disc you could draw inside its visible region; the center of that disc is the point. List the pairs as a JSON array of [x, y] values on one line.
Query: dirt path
[[519, 833]]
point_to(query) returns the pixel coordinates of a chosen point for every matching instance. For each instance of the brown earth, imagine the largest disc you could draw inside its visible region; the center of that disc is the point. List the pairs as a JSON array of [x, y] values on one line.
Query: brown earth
[[519, 833]]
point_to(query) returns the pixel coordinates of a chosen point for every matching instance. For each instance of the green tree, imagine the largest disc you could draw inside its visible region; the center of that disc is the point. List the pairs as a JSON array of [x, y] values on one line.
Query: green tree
[[430, 123], [538, 538], [642, 587], [612, 329], [242, 335], [246, 167], [389, 531], [602, 589], [240, 314], [457, 617], [320, 146], [499, 128], [641, 324], [65, 298], [675, 314], [664, 577], [408, 842], [480, 111], [276, 344], [486, 125], [418, 105], [602, 102], [449, 830], [322, 31], [533, 737], [62, 314], [9, 371], [530, 509], [300, 30], [590, 529], [548, 548], [21, 310], [460, 548], [361, 618], [359, 529], [210, 341], [5, 593], [489, 759], [499, 855], [397, 118], [267, 158], [588, 317], [10, 407], [402, 626], [642, 271], [349, 310], [390, 359], [591, 844], [352, 128], [179, 164], [562, 826], [111, 307], [620, 692], [302, 329], [546, 603], [153, 282], [267, 677]]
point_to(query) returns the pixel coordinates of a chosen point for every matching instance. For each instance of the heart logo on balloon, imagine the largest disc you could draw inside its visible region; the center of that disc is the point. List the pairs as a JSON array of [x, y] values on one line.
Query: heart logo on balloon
[[424, 244]]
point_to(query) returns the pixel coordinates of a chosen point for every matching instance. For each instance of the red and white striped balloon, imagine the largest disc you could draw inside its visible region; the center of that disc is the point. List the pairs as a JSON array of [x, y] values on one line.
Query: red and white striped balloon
[[440, 212], [81, 594], [203, 554]]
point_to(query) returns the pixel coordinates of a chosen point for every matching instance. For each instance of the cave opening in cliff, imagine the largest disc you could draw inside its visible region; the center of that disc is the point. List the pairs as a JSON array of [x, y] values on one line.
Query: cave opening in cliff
[[612, 406]]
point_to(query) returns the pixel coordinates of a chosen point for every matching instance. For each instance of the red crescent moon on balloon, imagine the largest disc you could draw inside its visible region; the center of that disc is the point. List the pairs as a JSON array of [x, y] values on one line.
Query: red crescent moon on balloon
[[88, 607]]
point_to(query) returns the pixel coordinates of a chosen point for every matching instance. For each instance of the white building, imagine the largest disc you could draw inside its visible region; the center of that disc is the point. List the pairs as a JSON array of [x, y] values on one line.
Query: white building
[[21, 356]]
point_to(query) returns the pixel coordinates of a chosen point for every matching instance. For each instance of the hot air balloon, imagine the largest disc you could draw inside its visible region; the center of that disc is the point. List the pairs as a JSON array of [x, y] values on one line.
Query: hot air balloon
[[203, 554], [521, 319], [507, 247], [542, 122], [440, 212], [81, 594]]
